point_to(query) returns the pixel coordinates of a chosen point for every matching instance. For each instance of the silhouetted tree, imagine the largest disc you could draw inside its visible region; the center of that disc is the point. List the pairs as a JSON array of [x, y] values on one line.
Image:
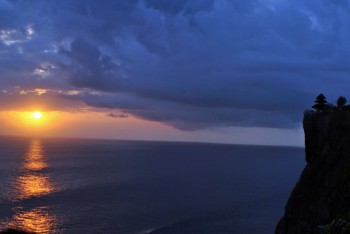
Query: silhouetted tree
[[321, 103], [341, 102]]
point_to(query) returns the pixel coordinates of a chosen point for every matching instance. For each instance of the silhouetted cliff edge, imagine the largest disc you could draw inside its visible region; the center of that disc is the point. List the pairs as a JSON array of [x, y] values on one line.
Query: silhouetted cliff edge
[[322, 194]]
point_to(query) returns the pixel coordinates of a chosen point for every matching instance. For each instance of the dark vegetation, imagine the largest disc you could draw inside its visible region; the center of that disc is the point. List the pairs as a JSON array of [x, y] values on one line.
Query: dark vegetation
[[321, 104]]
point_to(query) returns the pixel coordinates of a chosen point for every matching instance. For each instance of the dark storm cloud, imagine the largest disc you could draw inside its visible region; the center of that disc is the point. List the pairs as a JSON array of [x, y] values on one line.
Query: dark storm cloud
[[122, 115], [188, 63], [89, 68]]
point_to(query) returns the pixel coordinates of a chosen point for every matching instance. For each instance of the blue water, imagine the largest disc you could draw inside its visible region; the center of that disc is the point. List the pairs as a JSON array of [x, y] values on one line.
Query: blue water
[[95, 186]]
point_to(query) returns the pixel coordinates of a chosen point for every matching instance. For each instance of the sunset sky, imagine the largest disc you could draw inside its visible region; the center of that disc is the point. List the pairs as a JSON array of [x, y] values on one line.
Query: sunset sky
[[227, 71]]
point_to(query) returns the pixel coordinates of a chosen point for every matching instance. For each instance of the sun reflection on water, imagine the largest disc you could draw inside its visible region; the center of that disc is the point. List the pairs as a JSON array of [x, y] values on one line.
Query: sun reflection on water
[[37, 220], [32, 185], [33, 181], [34, 159]]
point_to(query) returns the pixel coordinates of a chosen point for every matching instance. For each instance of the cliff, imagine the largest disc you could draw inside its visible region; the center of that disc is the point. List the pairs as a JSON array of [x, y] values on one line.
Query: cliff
[[322, 194]]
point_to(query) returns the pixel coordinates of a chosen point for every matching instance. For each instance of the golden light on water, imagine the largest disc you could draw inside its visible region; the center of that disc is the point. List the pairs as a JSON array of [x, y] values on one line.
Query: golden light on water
[[34, 159], [37, 220], [33, 185], [33, 181]]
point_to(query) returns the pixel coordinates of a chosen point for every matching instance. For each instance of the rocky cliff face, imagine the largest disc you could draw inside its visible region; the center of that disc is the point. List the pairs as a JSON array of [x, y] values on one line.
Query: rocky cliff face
[[322, 193]]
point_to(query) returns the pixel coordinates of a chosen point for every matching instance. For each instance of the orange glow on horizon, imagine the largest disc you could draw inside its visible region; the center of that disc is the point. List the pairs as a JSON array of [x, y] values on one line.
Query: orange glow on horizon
[[83, 123], [69, 124]]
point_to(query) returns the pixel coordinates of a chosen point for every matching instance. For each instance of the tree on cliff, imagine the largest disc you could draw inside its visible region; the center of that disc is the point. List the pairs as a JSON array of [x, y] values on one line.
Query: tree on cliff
[[321, 103], [341, 102]]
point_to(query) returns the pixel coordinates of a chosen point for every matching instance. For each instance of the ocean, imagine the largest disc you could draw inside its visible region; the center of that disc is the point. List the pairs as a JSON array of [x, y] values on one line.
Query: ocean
[[134, 187]]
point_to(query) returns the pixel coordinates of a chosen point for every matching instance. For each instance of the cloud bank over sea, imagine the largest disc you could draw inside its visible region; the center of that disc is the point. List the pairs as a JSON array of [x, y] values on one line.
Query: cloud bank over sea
[[191, 64]]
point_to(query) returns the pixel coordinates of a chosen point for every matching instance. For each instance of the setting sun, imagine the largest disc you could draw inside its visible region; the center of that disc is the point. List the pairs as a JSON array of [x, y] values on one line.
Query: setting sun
[[36, 122], [36, 115]]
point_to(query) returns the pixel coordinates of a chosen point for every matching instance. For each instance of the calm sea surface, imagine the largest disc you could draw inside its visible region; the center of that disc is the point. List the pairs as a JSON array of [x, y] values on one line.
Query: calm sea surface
[[95, 186]]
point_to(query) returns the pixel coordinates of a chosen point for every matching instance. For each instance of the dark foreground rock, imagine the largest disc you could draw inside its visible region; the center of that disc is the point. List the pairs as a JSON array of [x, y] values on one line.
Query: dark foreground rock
[[15, 231], [322, 193]]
